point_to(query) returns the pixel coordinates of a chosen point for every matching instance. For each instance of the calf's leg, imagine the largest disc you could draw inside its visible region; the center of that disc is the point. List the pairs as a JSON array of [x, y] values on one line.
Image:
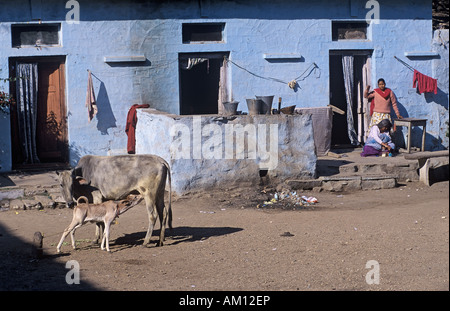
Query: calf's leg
[[99, 228], [70, 229], [105, 239]]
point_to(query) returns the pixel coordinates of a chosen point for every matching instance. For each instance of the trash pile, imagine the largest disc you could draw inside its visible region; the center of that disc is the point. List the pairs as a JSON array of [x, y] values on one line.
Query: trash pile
[[289, 200]]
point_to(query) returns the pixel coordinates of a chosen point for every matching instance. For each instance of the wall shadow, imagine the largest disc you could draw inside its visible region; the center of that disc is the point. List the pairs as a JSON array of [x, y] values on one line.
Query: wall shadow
[[441, 98], [105, 115]]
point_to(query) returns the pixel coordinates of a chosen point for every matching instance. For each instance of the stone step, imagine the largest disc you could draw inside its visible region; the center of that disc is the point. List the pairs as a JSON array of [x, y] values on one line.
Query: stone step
[[358, 182], [30, 198], [403, 171], [345, 183]]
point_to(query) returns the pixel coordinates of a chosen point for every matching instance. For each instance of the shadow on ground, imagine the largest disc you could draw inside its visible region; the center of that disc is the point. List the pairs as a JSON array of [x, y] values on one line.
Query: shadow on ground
[[176, 235], [21, 271]]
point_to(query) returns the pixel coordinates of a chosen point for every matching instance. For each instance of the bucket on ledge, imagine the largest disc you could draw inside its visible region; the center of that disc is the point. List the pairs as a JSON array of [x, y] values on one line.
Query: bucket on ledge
[[267, 104], [230, 108], [254, 106], [288, 110]]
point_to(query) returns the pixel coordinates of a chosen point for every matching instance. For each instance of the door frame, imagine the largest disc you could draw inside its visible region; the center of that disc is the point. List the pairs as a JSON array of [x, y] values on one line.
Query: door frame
[[15, 140], [362, 109], [224, 78]]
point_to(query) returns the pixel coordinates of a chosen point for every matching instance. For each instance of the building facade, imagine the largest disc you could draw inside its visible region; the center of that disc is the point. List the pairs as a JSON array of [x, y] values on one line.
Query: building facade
[[189, 56]]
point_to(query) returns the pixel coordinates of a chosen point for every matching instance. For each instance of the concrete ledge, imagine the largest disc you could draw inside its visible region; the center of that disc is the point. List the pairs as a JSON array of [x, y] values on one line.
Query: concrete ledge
[[124, 59], [426, 154], [433, 165], [434, 169]]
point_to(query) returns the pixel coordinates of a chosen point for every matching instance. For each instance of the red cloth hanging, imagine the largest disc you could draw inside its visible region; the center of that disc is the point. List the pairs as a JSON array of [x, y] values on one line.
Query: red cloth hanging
[[424, 83], [131, 127]]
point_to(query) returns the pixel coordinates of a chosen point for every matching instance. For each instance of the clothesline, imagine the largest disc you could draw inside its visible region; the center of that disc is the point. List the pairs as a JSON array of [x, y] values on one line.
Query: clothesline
[[291, 84], [423, 82]]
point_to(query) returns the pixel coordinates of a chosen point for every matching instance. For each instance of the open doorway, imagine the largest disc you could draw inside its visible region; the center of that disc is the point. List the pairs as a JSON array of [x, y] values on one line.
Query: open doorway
[[349, 75], [38, 119], [203, 82]]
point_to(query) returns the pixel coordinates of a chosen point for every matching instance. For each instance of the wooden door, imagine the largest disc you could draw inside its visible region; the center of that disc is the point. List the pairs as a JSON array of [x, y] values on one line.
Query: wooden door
[[51, 115], [51, 125]]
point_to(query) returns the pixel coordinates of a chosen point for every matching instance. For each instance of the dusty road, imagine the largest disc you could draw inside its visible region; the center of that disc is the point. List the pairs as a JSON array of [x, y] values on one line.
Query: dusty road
[[221, 241]]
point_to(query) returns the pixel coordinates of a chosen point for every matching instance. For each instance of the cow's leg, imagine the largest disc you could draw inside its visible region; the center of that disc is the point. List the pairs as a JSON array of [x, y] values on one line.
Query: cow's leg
[[162, 219], [152, 215]]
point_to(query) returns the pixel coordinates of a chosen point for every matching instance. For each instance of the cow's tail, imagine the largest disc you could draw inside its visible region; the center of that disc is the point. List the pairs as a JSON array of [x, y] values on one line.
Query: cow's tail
[[170, 195]]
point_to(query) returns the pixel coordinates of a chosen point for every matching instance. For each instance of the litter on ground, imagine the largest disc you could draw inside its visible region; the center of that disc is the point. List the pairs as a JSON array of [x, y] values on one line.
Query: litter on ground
[[289, 199]]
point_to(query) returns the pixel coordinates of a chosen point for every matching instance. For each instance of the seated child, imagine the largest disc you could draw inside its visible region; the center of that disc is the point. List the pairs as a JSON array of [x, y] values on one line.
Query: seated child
[[378, 139]]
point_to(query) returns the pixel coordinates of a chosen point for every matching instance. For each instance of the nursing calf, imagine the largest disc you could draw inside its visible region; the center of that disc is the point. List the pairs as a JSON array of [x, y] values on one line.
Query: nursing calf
[[80, 189], [104, 212]]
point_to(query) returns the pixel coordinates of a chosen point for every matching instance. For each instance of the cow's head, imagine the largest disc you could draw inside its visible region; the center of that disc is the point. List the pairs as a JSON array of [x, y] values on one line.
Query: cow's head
[[66, 179]]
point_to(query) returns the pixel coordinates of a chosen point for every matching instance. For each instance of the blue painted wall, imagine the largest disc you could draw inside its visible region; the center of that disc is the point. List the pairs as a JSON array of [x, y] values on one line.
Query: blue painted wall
[[253, 28]]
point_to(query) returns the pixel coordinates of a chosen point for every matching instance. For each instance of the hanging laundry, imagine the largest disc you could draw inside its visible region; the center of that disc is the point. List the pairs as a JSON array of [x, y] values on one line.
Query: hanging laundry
[[131, 127], [190, 62], [90, 99], [424, 83]]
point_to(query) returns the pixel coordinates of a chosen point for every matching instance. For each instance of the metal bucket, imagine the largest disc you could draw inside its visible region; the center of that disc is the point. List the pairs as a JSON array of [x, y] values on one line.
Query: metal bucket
[[230, 108], [267, 106], [254, 106], [288, 110]]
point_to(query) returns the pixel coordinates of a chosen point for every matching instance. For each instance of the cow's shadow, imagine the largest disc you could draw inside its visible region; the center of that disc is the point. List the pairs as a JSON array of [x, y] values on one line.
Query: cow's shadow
[[174, 236]]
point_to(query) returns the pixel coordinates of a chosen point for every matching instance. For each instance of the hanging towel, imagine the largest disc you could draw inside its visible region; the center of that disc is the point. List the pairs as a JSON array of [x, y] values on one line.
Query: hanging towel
[[90, 99], [424, 83], [131, 127]]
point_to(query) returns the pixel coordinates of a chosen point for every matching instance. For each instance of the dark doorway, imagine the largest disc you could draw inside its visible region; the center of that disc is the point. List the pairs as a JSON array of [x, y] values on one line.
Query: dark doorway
[[51, 126], [337, 98], [359, 106], [201, 81]]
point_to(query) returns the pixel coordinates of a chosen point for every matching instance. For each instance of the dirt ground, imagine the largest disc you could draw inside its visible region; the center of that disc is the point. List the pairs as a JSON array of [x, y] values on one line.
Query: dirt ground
[[221, 241]]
